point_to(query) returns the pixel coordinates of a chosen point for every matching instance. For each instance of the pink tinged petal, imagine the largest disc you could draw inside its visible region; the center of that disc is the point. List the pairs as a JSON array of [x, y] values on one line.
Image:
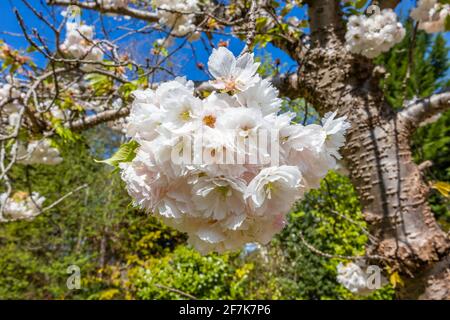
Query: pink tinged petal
[[234, 222], [279, 222], [210, 235]]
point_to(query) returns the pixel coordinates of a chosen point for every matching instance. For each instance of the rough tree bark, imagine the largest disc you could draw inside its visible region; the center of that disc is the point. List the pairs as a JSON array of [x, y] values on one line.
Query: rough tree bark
[[392, 191]]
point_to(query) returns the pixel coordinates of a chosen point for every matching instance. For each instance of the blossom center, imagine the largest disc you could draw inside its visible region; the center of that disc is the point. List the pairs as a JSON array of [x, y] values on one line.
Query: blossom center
[[185, 115], [270, 187], [224, 191], [209, 121], [230, 85]]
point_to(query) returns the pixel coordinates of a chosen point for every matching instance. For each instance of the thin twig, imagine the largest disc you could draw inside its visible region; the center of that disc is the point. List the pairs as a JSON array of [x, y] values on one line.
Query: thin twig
[[185, 294]]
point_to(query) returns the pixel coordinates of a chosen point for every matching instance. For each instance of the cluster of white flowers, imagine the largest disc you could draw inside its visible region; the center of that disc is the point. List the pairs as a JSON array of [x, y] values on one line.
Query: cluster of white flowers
[[223, 205], [9, 103], [38, 152], [21, 205], [370, 36], [431, 15], [8, 97], [178, 16], [80, 44]]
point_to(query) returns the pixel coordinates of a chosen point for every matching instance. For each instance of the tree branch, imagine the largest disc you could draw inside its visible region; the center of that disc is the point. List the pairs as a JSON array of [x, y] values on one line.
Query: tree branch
[[388, 4], [126, 11], [325, 21], [424, 109], [101, 117], [288, 85]]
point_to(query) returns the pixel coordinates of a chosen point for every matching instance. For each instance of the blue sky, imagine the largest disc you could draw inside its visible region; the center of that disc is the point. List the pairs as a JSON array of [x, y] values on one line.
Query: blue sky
[[142, 44]]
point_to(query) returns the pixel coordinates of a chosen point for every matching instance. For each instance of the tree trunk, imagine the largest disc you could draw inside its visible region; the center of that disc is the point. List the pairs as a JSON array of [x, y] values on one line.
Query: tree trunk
[[391, 188]]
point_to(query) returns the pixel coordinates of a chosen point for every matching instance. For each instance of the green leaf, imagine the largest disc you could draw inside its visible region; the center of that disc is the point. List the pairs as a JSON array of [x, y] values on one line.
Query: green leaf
[[65, 133], [126, 153], [31, 49], [360, 4], [101, 84]]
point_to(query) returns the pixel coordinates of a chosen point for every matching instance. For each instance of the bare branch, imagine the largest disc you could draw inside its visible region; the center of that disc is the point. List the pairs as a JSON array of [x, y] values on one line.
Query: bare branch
[[92, 5], [388, 4], [251, 27], [102, 117], [335, 256], [64, 197], [182, 293], [424, 109], [288, 85]]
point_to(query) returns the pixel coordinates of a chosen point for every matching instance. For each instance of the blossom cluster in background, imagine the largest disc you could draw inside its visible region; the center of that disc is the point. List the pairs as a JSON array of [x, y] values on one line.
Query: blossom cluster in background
[[178, 16], [223, 206], [21, 206], [38, 152], [9, 103], [372, 35], [431, 15], [80, 44]]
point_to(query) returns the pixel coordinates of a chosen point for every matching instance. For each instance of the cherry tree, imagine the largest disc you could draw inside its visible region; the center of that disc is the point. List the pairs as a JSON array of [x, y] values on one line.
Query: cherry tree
[[88, 79]]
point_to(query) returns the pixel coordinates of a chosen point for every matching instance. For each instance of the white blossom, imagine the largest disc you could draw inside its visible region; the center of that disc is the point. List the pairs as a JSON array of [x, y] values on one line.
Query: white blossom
[[262, 96], [180, 111], [178, 16], [274, 189], [370, 36], [8, 98], [334, 133], [315, 148], [21, 206], [232, 74], [146, 114], [80, 43], [219, 198], [431, 15], [38, 152], [10, 105]]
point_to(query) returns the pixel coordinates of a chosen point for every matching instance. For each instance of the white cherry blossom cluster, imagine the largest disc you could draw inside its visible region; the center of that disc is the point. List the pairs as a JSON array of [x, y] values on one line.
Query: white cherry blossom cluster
[[431, 15], [38, 152], [223, 205], [372, 35], [178, 16], [80, 44], [21, 206]]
